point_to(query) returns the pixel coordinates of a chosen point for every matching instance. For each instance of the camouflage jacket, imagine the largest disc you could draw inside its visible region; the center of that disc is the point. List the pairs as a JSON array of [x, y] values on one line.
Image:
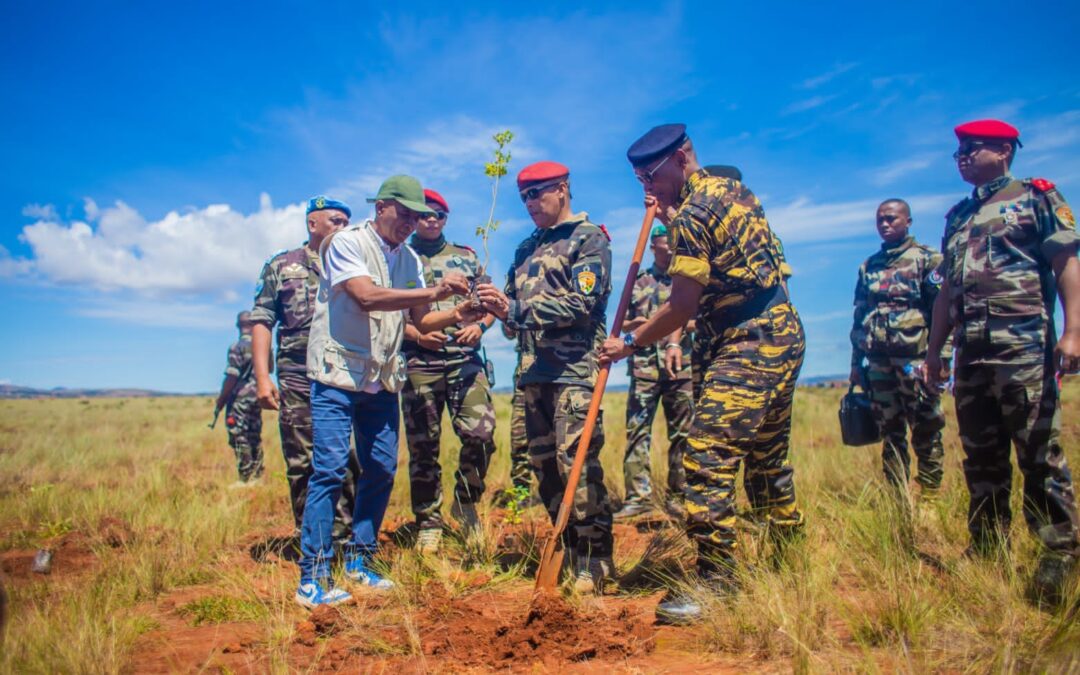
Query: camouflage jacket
[[894, 300], [651, 290], [558, 286], [439, 258], [285, 297], [239, 364], [999, 244], [721, 240]]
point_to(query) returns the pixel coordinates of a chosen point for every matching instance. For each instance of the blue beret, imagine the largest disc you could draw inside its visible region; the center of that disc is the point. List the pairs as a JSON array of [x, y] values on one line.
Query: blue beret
[[657, 142], [321, 203]]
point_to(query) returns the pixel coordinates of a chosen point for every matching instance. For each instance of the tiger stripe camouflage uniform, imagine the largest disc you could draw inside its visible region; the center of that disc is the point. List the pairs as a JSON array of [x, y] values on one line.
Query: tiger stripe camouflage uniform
[[894, 300], [748, 350], [285, 297], [998, 246], [453, 378], [650, 386], [243, 416], [558, 287]]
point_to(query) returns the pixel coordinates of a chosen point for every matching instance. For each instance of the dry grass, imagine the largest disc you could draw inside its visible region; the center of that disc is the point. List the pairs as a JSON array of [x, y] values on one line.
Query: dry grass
[[141, 485]]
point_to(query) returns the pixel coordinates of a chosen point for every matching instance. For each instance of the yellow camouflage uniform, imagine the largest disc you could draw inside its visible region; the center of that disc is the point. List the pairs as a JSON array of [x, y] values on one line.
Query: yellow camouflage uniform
[[748, 350]]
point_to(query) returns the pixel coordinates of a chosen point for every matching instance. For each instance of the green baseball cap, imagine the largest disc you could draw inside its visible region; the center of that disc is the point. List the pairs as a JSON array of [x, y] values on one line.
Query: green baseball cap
[[404, 190]]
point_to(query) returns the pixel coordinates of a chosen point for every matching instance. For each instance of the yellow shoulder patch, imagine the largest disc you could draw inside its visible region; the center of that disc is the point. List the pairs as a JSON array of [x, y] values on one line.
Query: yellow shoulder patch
[[1065, 215], [586, 281]]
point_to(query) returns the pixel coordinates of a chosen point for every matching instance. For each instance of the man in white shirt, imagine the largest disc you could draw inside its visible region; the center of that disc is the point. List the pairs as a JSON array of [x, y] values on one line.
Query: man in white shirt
[[369, 278]]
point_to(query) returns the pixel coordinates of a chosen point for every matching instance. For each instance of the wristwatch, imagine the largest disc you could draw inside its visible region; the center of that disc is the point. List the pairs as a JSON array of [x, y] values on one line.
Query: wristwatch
[[628, 340]]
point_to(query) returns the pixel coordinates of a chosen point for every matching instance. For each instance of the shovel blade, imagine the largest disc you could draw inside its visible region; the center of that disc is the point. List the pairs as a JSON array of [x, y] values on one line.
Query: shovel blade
[[551, 560]]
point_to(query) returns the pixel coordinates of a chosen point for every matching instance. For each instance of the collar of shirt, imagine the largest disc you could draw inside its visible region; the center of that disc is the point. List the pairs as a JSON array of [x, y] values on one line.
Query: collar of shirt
[[692, 183], [575, 219], [987, 190], [658, 273], [428, 247], [900, 246]]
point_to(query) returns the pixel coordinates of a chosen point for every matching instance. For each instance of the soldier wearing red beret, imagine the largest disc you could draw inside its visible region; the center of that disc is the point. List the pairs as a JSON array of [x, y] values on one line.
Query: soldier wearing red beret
[[555, 301], [1009, 249]]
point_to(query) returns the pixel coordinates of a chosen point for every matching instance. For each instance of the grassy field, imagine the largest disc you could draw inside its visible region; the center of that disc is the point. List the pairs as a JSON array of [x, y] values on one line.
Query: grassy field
[[155, 564]]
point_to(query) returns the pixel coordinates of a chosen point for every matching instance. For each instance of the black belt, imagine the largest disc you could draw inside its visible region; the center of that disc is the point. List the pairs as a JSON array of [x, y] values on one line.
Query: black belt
[[754, 307]]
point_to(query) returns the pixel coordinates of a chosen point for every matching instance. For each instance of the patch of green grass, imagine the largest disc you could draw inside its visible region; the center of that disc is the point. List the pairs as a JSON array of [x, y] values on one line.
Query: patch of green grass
[[223, 609]]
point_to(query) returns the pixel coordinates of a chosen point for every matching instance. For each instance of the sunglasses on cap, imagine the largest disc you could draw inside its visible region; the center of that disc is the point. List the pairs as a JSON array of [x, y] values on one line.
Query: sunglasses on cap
[[969, 148], [535, 191]]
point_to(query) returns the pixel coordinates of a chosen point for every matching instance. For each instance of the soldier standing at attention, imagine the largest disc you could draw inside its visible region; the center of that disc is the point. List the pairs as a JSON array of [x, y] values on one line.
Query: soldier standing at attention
[[652, 383], [445, 371], [285, 297], [748, 349], [894, 299], [1010, 248], [243, 418], [556, 299]]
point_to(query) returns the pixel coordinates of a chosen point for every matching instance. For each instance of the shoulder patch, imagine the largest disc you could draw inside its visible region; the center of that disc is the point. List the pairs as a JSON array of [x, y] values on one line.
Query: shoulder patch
[[935, 277], [1065, 215], [604, 230], [1042, 185]]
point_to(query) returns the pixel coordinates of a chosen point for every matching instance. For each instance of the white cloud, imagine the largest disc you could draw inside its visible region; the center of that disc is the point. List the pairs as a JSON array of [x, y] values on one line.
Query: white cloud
[[803, 220], [12, 267], [160, 312], [827, 76], [40, 211], [890, 173], [203, 250], [807, 104]]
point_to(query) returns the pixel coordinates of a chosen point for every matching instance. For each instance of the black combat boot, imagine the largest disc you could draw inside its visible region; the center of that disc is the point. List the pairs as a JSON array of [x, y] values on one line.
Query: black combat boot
[[686, 605], [1052, 578]]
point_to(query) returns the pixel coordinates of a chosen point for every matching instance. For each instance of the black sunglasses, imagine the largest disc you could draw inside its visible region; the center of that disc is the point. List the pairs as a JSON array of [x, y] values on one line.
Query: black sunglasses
[[535, 192], [438, 215], [971, 147]]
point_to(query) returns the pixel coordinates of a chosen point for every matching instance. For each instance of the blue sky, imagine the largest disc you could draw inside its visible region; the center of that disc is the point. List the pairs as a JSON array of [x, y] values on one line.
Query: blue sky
[[154, 155]]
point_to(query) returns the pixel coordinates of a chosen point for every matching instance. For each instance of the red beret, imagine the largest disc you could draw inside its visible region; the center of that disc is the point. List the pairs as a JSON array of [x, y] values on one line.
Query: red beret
[[540, 172], [432, 196], [995, 129]]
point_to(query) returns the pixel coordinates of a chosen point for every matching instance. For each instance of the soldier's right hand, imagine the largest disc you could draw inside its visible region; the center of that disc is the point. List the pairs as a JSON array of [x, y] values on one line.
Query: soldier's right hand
[[933, 372], [433, 341], [267, 394], [454, 283], [673, 359], [665, 214]]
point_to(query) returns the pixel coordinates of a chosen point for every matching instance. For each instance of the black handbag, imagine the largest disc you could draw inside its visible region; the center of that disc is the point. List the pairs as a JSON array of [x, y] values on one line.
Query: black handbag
[[857, 423]]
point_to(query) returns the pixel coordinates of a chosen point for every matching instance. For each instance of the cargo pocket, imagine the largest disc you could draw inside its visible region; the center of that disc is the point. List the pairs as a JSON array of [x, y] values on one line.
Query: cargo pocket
[[1016, 321]]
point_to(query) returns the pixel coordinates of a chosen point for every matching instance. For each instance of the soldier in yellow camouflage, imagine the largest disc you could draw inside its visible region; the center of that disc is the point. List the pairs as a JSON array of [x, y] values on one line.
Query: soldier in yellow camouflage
[[652, 383], [894, 299], [445, 370], [555, 300], [748, 349], [1009, 249]]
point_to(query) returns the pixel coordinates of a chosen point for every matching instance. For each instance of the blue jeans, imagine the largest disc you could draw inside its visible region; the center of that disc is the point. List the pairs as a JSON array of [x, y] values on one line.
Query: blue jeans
[[335, 413]]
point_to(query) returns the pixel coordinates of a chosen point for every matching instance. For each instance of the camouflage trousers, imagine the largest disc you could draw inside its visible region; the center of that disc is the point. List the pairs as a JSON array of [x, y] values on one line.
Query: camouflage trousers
[[555, 422], [243, 419], [899, 399], [520, 471], [462, 389], [1002, 405], [677, 397], [294, 422], [744, 386]]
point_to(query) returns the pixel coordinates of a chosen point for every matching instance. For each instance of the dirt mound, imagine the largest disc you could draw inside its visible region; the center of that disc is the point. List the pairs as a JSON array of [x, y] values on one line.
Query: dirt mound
[[322, 622], [474, 632]]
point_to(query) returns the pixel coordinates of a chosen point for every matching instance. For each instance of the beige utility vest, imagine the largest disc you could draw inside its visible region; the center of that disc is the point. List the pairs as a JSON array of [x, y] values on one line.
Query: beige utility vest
[[349, 348]]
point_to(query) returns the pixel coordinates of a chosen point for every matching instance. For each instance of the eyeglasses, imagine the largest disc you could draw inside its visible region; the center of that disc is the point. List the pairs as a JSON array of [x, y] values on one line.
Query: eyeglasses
[[647, 178], [535, 192], [437, 215], [970, 148]]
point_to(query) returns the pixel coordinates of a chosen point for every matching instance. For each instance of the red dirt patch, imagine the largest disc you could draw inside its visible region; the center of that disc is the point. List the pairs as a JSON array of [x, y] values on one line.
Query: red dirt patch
[[473, 632], [71, 556]]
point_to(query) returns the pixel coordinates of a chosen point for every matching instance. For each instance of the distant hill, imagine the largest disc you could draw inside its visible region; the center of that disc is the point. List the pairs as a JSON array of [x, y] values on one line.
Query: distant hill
[[13, 391]]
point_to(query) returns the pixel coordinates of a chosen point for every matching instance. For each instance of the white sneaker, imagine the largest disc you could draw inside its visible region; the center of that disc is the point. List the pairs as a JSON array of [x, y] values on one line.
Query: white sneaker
[[312, 594]]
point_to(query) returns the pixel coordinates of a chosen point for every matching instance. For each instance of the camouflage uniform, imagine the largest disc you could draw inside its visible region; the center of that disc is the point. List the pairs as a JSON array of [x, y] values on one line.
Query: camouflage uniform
[[453, 378], [520, 473], [243, 416], [285, 297], [651, 385], [894, 299], [998, 247], [748, 349], [558, 287]]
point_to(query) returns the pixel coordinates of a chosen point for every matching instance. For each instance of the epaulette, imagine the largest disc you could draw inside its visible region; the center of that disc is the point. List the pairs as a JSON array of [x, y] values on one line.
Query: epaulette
[[604, 230], [1041, 184]]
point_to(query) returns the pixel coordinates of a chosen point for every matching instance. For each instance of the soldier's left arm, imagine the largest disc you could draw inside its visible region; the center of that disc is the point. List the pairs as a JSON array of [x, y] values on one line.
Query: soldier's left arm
[[588, 282], [1060, 242], [930, 289]]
